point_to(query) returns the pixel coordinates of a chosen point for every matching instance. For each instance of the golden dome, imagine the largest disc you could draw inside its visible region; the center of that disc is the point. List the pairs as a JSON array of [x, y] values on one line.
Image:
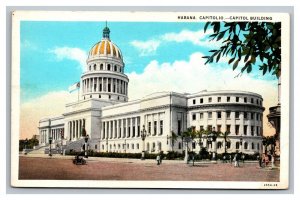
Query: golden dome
[[105, 48]]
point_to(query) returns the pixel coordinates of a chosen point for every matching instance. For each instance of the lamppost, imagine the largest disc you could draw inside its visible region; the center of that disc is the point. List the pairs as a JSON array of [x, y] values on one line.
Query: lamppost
[[86, 138], [143, 136], [125, 146], [25, 149], [50, 141], [241, 144], [61, 141], [213, 138]]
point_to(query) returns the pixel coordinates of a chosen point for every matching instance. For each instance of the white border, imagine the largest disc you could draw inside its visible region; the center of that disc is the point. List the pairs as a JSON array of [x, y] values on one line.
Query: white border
[[142, 16]]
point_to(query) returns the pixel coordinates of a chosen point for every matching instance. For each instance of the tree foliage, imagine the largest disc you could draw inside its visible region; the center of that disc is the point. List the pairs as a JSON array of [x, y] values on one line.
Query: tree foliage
[[246, 43]]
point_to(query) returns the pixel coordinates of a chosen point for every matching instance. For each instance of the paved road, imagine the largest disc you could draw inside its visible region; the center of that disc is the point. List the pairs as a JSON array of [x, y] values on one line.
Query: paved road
[[62, 168]]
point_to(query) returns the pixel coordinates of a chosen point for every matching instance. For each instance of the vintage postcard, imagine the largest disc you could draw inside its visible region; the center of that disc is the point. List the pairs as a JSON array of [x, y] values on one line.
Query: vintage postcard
[[150, 100]]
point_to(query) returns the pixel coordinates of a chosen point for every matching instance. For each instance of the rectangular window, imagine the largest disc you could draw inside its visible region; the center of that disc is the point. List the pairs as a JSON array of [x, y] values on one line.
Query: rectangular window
[[228, 99], [237, 99], [252, 115], [252, 130], [237, 129], [201, 128], [149, 127], [179, 127], [161, 127], [155, 127], [257, 116], [257, 102], [245, 99], [257, 130], [245, 129], [237, 115], [209, 127], [201, 115], [228, 128], [219, 115], [209, 99], [219, 127], [228, 114], [219, 99], [252, 100], [194, 101], [209, 115], [194, 116], [137, 146], [245, 115], [201, 100]]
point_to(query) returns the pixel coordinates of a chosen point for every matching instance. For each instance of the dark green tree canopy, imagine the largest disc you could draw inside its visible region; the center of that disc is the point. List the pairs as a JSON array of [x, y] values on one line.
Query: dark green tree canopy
[[247, 42]]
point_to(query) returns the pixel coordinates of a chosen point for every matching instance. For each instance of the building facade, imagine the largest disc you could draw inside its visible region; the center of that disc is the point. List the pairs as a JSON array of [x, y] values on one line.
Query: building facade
[[115, 124]]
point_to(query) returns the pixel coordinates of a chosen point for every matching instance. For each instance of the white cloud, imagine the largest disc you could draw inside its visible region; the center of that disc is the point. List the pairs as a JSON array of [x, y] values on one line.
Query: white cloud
[[198, 38], [193, 76], [146, 47], [76, 54], [48, 105]]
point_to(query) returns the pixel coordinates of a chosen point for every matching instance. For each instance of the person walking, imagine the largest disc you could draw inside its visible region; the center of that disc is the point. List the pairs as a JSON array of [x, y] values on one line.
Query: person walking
[[235, 160], [158, 159]]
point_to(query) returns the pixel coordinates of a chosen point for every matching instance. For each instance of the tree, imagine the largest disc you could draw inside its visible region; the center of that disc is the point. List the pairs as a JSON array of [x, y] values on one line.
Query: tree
[[173, 139], [267, 141], [189, 135], [225, 136], [247, 42]]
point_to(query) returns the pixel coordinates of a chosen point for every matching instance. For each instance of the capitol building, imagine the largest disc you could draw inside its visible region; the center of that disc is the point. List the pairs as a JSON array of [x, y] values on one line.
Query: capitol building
[[115, 124]]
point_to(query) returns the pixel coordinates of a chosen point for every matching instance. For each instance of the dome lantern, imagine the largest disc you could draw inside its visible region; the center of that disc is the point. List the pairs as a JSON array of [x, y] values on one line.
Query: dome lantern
[[106, 32]]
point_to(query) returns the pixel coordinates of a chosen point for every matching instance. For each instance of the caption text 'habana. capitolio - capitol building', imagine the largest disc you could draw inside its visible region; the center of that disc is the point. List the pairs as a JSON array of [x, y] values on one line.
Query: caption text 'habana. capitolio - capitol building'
[[114, 124]]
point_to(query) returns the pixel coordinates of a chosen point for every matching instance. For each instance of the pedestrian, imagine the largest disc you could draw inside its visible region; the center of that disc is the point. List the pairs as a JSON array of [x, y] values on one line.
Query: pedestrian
[[235, 160], [158, 159], [243, 158], [230, 159], [224, 159]]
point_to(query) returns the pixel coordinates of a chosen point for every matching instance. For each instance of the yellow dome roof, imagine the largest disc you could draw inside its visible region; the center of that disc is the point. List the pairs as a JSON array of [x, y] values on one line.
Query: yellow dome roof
[[105, 48]]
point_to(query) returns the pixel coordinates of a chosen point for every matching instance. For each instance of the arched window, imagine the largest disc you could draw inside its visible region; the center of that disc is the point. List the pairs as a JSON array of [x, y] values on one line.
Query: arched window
[[179, 145], [108, 67], [153, 147], [101, 67], [237, 145], [159, 146], [94, 67], [219, 144], [90, 68], [246, 145], [252, 145], [116, 68], [228, 145]]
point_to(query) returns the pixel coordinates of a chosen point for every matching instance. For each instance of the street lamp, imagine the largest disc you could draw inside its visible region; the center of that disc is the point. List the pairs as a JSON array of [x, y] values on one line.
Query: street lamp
[[86, 138], [241, 143], [213, 138], [125, 146], [50, 141], [26, 141], [61, 141], [143, 136]]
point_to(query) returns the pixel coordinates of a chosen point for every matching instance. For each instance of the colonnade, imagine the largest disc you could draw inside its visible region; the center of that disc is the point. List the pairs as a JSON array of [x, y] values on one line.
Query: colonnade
[[75, 128], [56, 133], [105, 84]]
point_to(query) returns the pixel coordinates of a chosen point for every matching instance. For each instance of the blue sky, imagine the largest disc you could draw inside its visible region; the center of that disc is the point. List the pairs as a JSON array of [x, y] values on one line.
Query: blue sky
[[158, 57], [43, 70]]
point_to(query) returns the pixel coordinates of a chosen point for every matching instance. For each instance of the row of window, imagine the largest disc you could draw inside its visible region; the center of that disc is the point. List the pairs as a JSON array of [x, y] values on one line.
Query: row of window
[[237, 115], [228, 99], [107, 67], [109, 97], [237, 129], [221, 144], [131, 146], [112, 130]]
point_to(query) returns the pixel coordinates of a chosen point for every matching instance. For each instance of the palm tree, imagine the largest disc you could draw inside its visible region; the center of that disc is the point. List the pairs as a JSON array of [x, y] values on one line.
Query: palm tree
[[189, 135], [269, 140], [225, 136], [173, 138]]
